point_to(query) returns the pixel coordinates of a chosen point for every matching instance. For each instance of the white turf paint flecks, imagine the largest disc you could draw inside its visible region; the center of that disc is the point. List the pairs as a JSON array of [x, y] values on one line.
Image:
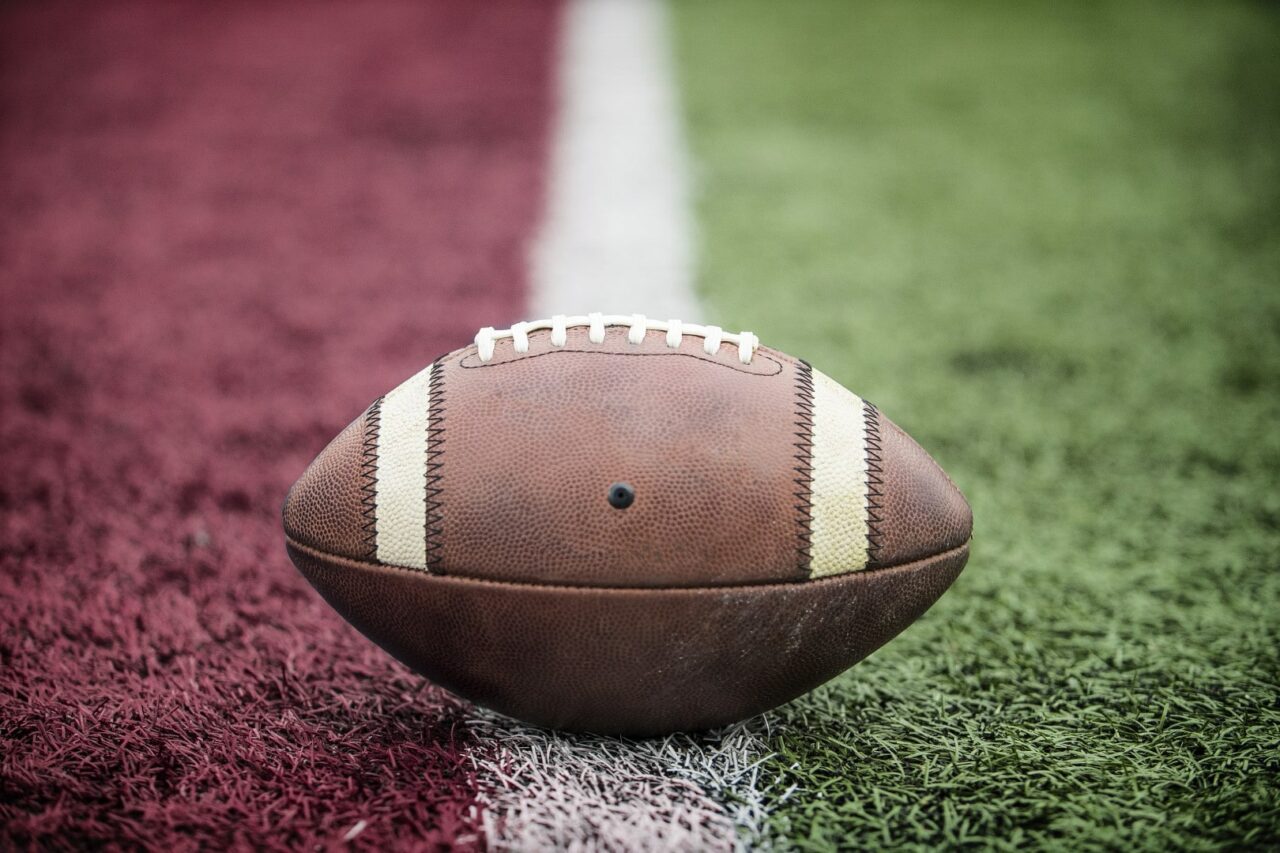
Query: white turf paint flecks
[[618, 238], [400, 520], [617, 234], [555, 791]]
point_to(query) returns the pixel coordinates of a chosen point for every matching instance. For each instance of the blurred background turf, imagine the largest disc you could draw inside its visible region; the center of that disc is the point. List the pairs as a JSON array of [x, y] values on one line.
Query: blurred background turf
[[1045, 239]]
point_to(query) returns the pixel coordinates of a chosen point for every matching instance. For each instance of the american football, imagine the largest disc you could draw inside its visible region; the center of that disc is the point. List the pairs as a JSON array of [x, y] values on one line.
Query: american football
[[625, 526]]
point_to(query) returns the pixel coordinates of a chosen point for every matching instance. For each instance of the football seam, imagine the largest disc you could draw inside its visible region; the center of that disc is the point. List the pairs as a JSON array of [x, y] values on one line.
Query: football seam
[[560, 350], [435, 438], [804, 466], [792, 584], [875, 481], [369, 478]]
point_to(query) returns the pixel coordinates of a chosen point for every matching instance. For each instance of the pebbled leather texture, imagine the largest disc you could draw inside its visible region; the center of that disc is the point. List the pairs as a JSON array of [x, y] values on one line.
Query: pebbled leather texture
[[530, 446], [919, 510], [330, 507], [698, 604], [627, 661]]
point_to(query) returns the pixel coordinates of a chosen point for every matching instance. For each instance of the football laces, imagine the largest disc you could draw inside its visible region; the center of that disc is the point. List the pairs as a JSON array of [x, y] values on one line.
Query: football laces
[[638, 325]]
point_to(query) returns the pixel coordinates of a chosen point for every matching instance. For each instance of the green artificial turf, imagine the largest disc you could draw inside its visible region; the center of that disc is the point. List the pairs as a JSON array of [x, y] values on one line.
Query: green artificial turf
[[1045, 239]]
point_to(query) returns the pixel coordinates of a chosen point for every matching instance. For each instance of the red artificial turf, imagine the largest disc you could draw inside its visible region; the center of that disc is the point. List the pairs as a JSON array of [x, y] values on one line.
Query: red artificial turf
[[227, 229]]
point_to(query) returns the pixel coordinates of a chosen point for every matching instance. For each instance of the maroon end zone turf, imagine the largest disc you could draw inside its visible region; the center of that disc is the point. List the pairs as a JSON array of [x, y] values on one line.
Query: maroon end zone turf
[[227, 229]]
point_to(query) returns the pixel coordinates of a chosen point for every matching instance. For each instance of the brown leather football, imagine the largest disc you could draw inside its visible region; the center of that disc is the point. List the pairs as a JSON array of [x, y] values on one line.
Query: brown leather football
[[626, 526]]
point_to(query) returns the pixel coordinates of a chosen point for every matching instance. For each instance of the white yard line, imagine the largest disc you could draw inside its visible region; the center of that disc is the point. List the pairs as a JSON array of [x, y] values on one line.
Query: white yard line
[[551, 791], [618, 238], [556, 792]]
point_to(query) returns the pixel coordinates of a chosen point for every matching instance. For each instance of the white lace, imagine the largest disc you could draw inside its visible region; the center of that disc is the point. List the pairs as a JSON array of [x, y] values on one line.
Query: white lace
[[638, 325]]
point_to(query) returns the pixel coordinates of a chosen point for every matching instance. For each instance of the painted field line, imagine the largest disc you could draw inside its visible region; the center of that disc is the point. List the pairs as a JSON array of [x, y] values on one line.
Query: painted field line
[[617, 235], [550, 791]]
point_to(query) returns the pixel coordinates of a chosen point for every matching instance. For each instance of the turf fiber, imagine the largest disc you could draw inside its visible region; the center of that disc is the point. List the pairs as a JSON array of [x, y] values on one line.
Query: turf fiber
[[1045, 239], [228, 228]]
